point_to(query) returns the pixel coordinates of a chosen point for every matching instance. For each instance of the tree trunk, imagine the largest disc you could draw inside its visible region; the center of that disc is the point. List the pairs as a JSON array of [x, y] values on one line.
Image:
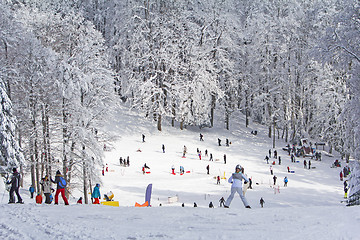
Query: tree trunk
[[85, 176], [227, 119], [213, 105], [159, 122], [274, 133]]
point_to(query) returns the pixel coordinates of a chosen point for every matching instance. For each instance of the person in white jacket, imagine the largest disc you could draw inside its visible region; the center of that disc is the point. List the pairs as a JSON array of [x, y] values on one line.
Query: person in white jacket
[[236, 180]]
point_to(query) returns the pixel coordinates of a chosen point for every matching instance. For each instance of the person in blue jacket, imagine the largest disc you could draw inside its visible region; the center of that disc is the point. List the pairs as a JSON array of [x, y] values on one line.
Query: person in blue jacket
[[96, 194], [31, 190], [236, 180]]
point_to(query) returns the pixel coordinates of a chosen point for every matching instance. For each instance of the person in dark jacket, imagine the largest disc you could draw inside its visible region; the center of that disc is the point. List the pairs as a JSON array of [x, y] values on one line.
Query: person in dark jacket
[[15, 185], [59, 188]]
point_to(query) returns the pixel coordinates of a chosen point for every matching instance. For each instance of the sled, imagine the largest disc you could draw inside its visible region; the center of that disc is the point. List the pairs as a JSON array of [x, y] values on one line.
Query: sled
[[187, 171], [297, 161], [147, 172], [146, 204], [292, 171], [111, 203]]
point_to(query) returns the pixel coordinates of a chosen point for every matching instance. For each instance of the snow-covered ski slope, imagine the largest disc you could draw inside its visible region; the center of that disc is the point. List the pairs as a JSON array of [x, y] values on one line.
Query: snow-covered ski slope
[[308, 208]]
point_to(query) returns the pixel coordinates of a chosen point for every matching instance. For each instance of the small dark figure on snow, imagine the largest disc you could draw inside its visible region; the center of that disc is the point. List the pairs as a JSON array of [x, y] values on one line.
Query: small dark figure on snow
[[288, 168], [275, 154], [309, 164], [267, 159], [227, 142], [304, 163], [128, 162], [271, 170], [224, 158], [79, 201], [121, 161], [163, 148], [208, 169], [195, 205], [262, 202], [292, 158], [218, 180], [143, 138], [222, 201], [279, 160], [201, 137], [211, 205], [219, 141], [275, 177], [211, 157], [15, 185], [183, 204], [345, 188], [206, 152], [270, 153], [250, 183]]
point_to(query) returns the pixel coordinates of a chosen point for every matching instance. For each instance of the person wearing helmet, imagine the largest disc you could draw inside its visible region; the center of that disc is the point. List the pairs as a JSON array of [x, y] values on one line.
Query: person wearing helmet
[[96, 194], [236, 180]]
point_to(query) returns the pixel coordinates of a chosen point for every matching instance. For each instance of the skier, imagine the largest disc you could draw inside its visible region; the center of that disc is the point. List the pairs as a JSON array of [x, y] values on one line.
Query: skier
[[236, 180], [275, 177], [262, 202], [222, 201], [96, 194], [143, 138], [60, 188], [218, 180], [271, 170], [224, 158], [219, 141], [286, 180], [163, 148], [31, 190], [211, 205], [208, 169], [15, 185], [201, 137]]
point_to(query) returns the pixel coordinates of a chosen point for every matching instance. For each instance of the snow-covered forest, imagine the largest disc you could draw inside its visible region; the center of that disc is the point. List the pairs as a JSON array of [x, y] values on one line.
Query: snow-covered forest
[[65, 66]]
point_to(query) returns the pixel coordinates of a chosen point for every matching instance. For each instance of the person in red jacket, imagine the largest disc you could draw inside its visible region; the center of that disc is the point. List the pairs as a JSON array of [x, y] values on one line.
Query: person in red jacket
[[60, 188], [38, 199]]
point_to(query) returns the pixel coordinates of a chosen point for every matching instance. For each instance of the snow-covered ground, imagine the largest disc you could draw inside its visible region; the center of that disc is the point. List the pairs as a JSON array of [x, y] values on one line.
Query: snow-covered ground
[[310, 207]]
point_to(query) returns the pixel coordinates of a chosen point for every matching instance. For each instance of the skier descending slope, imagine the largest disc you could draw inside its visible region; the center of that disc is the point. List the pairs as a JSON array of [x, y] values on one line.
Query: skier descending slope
[[236, 180]]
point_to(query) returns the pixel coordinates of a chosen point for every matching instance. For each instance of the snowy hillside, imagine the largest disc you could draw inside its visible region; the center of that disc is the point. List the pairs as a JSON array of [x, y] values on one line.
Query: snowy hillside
[[310, 207]]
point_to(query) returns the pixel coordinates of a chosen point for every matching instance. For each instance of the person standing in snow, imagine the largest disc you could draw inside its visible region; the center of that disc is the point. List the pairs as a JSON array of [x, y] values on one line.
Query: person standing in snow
[[222, 201], [143, 138], [211, 157], [59, 188], [211, 205], [309, 164], [208, 169], [269, 153], [206, 152], [47, 189], [236, 180], [31, 190], [275, 177], [275, 154], [305, 164], [184, 151], [219, 141], [15, 185], [279, 160], [271, 170], [227, 142], [224, 158], [262, 202], [96, 194], [286, 180], [201, 137], [218, 180], [163, 148]]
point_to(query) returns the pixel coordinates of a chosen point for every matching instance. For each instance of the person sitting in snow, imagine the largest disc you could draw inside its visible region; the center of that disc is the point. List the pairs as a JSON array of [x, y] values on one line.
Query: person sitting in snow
[[79, 201]]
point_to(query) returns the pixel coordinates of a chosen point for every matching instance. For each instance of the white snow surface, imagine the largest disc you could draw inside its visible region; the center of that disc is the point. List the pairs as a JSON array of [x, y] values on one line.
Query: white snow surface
[[309, 208]]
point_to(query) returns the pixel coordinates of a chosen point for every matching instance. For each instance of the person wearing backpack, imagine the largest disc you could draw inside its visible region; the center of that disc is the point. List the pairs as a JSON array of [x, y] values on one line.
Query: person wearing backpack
[[60, 187], [96, 194]]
